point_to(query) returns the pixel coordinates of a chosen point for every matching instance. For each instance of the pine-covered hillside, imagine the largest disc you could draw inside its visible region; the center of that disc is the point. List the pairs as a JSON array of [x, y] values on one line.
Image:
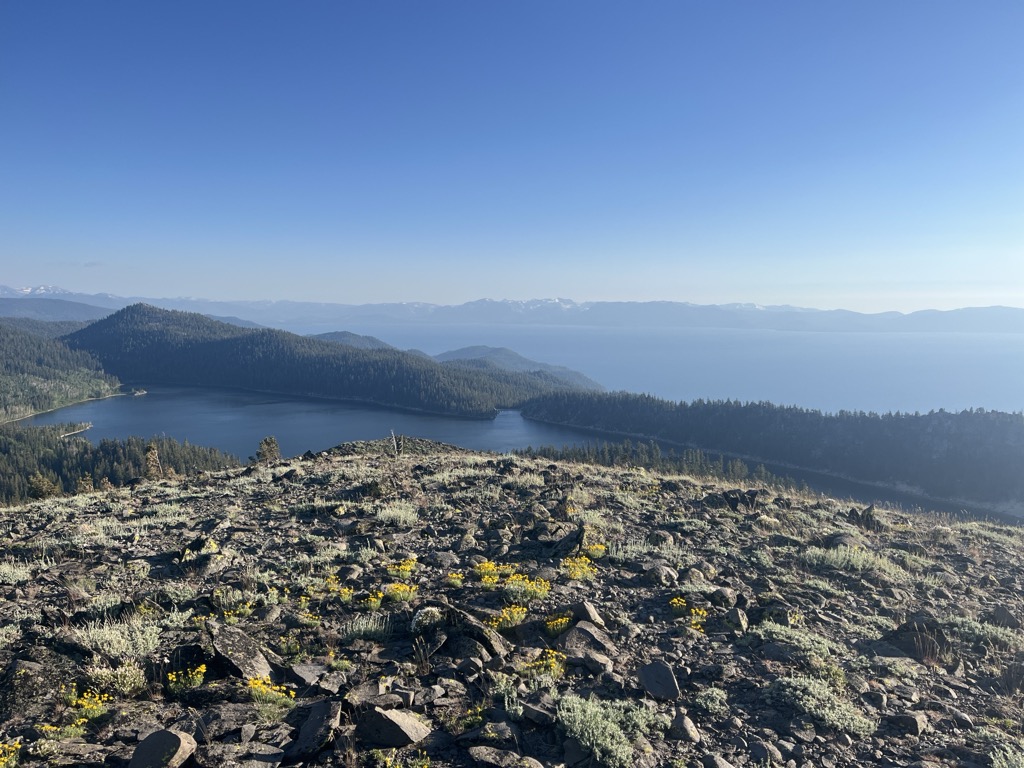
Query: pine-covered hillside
[[143, 344], [39, 374]]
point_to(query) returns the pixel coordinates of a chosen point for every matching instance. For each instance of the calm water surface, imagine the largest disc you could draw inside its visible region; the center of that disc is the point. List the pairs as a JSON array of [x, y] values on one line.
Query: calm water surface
[[235, 422]]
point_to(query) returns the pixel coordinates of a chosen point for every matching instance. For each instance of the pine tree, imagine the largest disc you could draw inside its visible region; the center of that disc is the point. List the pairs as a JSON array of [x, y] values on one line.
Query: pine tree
[[269, 451], [153, 469]]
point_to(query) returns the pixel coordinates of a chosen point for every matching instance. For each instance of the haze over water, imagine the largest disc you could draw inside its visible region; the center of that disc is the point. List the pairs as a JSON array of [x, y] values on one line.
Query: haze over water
[[829, 371]]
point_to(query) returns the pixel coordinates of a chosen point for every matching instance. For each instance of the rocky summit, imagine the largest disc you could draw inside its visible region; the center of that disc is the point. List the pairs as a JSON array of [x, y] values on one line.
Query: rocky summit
[[404, 603]]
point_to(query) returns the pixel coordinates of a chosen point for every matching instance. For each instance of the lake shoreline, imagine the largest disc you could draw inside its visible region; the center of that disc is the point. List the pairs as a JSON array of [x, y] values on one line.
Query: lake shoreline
[[60, 407], [235, 420]]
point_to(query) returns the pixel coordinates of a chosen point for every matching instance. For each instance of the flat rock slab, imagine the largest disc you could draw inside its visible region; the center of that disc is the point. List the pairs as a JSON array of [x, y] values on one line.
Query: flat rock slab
[[241, 652], [586, 635], [163, 749], [659, 680], [317, 730], [391, 728]]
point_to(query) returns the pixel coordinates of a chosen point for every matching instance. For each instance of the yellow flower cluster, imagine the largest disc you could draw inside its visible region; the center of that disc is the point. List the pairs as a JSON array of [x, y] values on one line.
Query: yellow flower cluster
[[400, 593], [697, 618], [309, 619], [265, 692], [556, 625], [489, 580], [403, 569], [238, 612], [595, 551], [510, 616], [522, 588], [332, 585], [90, 704], [179, 682], [455, 579], [288, 644], [678, 606], [372, 601], [9, 753], [579, 568], [73, 730], [489, 568], [550, 663]]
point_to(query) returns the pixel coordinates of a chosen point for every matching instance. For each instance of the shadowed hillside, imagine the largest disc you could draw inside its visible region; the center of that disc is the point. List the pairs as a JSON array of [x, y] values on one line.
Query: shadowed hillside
[[143, 344], [973, 456]]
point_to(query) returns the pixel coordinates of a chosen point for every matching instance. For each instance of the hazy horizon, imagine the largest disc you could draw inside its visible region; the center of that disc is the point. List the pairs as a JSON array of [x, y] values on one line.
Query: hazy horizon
[[58, 290], [860, 156]]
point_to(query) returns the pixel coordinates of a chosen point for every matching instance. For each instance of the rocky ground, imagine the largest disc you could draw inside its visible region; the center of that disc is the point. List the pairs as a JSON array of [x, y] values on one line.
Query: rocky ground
[[410, 604]]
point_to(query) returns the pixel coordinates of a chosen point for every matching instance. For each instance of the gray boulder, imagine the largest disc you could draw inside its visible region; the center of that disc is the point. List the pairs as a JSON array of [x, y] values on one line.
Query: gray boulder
[[163, 749], [659, 680], [391, 728]]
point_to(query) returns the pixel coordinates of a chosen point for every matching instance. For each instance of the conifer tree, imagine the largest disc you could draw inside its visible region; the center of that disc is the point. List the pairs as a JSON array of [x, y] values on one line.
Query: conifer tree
[[269, 451]]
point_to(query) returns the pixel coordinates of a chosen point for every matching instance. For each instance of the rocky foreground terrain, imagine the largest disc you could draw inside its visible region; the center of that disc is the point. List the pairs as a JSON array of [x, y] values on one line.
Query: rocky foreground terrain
[[409, 604]]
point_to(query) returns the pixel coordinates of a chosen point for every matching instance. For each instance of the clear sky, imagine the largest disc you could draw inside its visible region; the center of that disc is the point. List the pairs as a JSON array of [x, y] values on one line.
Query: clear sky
[[867, 155]]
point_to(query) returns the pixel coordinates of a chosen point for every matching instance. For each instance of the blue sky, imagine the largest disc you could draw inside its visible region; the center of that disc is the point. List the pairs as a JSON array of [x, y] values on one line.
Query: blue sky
[[867, 155]]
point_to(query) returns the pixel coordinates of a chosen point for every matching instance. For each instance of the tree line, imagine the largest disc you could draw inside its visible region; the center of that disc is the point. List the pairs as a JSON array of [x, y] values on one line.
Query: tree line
[[975, 455], [649, 455], [38, 462]]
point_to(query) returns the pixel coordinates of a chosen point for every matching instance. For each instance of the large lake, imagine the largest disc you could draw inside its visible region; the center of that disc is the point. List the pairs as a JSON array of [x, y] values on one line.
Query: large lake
[[878, 372], [830, 371], [236, 421]]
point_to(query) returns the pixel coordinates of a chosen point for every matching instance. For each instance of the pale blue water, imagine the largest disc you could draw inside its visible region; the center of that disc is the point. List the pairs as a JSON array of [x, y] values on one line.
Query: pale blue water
[[878, 372]]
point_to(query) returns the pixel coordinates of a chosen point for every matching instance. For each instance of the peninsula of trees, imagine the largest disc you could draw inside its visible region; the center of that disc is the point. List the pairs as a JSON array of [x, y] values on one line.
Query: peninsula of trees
[[973, 456]]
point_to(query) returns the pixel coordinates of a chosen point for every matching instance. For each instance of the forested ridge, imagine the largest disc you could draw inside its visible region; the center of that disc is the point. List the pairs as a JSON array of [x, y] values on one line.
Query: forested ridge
[[48, 329], [39, 374], [143, 344], [975, 455], [37, 462], [649, 455]]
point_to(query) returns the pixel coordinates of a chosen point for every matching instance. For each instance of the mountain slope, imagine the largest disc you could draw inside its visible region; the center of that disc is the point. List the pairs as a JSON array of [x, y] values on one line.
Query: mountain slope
[[47, 329], [507, 360], [39, 374], [143, 344], [50, 309], [353, 340]]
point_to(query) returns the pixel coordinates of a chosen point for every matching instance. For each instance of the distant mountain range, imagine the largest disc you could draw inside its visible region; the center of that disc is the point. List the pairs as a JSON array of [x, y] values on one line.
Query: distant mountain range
[[313, 317]]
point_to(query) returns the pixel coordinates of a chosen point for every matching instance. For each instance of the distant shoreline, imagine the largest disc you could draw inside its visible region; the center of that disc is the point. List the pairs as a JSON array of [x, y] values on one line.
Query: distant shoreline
[[65, 405]]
